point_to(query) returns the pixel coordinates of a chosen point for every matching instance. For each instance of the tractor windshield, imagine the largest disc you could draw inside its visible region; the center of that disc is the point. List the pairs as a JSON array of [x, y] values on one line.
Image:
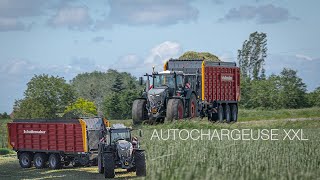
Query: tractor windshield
[[118, 134], [161, 80]]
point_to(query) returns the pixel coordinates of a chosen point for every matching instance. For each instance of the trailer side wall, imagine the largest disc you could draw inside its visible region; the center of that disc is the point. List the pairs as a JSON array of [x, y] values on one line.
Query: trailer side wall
[[51, 137]]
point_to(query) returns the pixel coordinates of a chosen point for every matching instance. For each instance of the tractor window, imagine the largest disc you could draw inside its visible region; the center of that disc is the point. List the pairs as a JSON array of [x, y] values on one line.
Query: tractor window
[[179, 81], [120, 134], [161, 80]]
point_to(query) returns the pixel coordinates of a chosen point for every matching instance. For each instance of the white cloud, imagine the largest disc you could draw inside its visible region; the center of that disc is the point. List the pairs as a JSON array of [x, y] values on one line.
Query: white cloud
[[302, 56], [76, 17], [162, 52]]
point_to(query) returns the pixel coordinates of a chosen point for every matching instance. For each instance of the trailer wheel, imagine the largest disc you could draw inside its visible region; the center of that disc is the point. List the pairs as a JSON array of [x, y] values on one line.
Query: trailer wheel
[[25, 160], [220, 113], [139, 111], [140, 161], [227, 112], [109, 165], [193, 106], [175, 110], [54, 161], [39, 160], [234, 113]]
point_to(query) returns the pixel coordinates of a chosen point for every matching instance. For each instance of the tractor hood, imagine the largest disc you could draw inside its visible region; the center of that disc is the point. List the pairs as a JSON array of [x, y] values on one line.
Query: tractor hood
[[157, 96], [124, 151]]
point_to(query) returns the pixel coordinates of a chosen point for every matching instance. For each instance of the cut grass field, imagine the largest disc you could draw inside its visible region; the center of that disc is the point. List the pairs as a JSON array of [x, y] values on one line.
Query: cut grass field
[[206, 159]]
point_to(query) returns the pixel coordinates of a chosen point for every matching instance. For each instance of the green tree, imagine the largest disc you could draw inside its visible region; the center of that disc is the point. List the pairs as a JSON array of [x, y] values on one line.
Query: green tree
[[265, 93], [92, 86], [82, 105], [106, 90], [252, 56], [4, 116], [292, 89], [112, 107], [314, 97], [45, 97]]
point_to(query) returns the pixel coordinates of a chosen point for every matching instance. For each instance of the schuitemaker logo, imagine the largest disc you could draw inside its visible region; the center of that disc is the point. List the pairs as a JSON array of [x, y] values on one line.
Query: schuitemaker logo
[[226, 78], [33, 132]]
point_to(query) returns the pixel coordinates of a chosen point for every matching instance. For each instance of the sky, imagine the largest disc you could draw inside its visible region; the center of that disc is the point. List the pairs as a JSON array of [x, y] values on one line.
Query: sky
[[67, 37]]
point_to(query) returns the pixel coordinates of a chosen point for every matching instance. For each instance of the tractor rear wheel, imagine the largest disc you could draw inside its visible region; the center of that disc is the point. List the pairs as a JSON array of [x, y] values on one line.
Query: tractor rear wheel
[[25, 160], [108, 165], [140, 161], [220, 113], [227, 113], [193, 106], [139, 111], [175, 110], [234, 113]]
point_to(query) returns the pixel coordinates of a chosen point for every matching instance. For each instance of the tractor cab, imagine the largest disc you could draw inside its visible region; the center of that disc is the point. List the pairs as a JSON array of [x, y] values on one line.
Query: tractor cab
[[170, 79]]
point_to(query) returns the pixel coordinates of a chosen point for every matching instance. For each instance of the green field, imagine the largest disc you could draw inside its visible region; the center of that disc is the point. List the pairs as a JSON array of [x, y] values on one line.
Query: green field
[[212, 159]]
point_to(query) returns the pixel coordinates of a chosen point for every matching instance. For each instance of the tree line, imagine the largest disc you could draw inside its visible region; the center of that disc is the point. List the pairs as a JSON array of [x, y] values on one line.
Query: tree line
[[4, 115], [109, 94]]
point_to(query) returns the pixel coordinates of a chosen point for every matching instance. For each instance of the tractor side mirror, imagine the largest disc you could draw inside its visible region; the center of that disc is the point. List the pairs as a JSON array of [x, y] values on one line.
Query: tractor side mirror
[[140, 81], [140, 132]]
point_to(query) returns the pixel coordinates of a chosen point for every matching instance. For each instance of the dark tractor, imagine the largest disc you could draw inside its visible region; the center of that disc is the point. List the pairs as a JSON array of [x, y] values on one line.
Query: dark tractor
[[172, 95], [118, 149]]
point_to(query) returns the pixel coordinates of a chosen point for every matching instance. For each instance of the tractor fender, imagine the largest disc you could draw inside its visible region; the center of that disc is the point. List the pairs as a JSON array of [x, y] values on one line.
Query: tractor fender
[[189, 93]]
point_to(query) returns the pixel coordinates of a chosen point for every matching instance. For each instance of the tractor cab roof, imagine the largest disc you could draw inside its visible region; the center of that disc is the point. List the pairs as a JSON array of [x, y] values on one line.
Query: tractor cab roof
[[168, 72], [119, 127]]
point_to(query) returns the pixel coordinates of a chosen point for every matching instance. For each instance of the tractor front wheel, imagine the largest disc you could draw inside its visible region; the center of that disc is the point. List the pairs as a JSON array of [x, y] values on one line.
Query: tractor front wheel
[[140, 161], [108, 165], [139, 111]]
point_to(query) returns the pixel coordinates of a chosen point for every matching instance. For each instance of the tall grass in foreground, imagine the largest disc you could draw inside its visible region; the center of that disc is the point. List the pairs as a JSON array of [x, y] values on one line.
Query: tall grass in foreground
[[254, 114], [233, 159]]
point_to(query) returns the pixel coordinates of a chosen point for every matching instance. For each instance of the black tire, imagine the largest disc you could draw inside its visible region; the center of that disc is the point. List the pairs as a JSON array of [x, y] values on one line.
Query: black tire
[[220, 113], [67, 163], [227, 113], [193, 106], [100, 162], [140, 161], [139, 111], [55, 161], [213, 117], [77, 164], [40, 160], [109, 165], [175, 110], [25, 160], [234, 113]]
